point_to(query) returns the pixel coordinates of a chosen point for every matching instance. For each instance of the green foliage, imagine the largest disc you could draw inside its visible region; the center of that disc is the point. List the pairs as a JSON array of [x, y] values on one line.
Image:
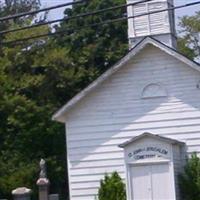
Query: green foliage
[[26, 130], [189, 41], [96, 47], [24, 174], [189, 181], [112, 188], [39, 76], [184, 49]]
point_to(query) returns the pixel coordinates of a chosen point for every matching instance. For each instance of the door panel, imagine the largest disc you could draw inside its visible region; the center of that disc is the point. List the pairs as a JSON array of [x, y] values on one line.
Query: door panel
[[141, 183], [151, 182], [161, 186]]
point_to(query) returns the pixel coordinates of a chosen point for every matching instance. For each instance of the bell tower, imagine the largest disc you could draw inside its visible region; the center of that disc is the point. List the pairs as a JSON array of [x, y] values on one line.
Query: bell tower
[[160, 26]]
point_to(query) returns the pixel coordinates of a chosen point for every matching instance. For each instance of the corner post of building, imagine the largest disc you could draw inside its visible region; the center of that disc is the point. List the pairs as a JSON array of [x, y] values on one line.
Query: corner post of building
[[21, 193], [43, 183]]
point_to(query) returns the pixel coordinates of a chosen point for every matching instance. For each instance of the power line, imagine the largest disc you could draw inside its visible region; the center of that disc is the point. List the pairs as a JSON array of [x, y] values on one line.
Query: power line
[[40, 10], [97, 24], [73, 17]]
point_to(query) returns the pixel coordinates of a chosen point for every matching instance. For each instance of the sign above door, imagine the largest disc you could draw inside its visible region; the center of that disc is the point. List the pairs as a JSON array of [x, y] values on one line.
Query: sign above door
[[147, 152], [148, 147]]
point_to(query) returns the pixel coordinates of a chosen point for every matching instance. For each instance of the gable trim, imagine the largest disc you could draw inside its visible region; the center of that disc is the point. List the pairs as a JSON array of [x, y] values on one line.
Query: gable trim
[[156, 137], [61, 113]]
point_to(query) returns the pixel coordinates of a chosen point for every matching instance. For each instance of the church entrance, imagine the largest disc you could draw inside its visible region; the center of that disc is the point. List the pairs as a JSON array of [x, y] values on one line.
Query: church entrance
[[151, 182], [152, 166]]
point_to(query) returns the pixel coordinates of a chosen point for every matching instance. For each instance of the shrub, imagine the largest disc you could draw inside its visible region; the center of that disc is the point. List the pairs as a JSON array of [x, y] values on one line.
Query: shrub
[[189, 181], [112, 188]]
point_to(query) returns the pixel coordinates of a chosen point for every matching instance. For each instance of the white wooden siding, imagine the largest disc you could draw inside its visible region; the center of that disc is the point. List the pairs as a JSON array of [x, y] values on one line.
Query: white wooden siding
[[115, 112]]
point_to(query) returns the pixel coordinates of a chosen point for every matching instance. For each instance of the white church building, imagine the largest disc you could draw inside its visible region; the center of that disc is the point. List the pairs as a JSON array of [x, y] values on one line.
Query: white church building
[[140, 118]]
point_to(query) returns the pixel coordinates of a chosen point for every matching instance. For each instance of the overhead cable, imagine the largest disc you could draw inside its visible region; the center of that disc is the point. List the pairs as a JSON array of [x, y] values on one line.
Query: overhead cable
[[73, 17], [101, 23], [40, 10]]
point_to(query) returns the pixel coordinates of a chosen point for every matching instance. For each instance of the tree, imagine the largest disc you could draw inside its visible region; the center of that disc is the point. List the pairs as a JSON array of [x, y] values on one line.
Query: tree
[[11, 7], [189, 41], [36, 78], [26, 130], [97, 47], [39, 76], [112, 188], [189, 181]]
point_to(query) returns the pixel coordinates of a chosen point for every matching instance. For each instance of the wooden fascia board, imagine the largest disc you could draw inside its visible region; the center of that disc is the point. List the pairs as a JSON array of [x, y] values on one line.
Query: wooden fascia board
[[175, 54], [156, 137], [60, 114]]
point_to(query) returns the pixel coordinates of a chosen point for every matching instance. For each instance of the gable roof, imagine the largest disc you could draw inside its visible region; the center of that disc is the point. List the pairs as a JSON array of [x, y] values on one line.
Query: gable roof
[[156, 137], [60, 114]]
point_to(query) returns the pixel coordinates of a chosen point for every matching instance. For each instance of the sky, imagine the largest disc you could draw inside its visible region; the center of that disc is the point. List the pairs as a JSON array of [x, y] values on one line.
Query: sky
[[57, 14]]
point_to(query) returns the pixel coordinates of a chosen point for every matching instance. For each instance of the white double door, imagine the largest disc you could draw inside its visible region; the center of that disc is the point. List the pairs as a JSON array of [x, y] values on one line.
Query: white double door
[[151, 182]]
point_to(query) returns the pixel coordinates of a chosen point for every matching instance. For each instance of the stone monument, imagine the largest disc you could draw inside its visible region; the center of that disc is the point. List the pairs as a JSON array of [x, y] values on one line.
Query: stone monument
[[43, 182], [21, 193]]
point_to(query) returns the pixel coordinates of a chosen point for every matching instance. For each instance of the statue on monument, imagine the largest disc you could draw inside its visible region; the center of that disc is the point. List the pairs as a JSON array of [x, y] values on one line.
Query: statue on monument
[[43, 182], [43, 171]]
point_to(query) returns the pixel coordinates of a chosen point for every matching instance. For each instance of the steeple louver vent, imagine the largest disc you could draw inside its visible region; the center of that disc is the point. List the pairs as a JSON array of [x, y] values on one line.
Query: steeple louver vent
[[160, 25]]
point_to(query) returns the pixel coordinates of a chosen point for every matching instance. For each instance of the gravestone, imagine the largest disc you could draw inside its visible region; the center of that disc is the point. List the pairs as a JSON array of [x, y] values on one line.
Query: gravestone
[[21, 193], [54, 197]]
